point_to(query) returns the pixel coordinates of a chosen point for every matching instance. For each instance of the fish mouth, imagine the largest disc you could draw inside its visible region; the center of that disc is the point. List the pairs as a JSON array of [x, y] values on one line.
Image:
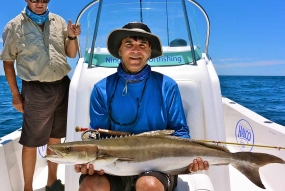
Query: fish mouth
[[57, 153]]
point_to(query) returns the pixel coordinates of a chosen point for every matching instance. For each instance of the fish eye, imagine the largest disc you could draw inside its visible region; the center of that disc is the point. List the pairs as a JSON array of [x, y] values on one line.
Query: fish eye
[[68, 149]]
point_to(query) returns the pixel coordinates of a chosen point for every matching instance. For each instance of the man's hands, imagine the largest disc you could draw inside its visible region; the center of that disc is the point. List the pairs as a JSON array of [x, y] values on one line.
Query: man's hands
[[198, 164], [73, 30], [18, 102], [85, 170]]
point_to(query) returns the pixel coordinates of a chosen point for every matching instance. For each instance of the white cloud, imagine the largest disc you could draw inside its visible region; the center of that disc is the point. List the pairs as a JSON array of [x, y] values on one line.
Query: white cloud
[[227, 59], [251, 64], [1, 40], [234, 60]]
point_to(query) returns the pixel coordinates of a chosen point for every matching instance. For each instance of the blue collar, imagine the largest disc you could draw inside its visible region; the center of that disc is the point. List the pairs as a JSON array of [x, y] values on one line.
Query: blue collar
[[141, 75], [38, 19]]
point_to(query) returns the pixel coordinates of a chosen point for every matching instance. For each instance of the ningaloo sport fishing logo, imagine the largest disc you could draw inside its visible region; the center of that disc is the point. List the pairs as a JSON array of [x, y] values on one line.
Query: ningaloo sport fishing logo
[[244, 135], [42, 151]]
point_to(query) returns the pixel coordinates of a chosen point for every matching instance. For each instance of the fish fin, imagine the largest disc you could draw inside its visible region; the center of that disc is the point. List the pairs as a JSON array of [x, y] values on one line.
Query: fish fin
[[160, 133], [251, 171], [261, 159], [104, 155], [220, 164], [183, 170], [104, 161], [118, 158], [125, 159], [249, 163]]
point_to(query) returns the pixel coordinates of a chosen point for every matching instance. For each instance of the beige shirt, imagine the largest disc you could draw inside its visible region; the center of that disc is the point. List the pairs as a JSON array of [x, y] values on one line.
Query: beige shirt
[[39, 54]]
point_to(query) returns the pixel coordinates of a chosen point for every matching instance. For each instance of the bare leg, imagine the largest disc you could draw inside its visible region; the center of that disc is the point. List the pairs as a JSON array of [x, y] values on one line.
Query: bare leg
[[147, 183], [52, 167], [29, 156]]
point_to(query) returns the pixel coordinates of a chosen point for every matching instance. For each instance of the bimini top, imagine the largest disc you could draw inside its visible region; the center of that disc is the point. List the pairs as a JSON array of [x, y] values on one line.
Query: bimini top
[[175, 22]]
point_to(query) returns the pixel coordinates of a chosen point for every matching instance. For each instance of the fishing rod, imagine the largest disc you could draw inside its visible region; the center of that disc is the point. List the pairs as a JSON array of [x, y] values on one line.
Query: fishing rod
[[120, 133], [105, 131], [239, 144]]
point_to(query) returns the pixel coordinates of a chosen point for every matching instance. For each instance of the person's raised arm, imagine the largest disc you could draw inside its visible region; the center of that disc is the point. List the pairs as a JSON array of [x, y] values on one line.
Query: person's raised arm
[[72, 33]]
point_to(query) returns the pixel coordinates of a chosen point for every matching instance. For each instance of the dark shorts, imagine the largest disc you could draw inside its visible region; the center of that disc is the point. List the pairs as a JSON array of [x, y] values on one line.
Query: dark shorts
[[45, 111], [127, 183]]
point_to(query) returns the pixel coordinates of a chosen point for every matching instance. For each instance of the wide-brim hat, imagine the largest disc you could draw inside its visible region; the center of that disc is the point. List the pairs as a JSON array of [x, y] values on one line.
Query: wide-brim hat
[[133, 29]]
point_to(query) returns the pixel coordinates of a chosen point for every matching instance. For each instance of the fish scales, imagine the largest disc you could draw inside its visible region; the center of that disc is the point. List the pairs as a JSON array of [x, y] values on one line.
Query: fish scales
[[142, 148], [133, 155]]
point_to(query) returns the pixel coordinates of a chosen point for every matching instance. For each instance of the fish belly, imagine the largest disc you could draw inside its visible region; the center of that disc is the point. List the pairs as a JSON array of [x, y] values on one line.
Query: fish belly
[[130, 168]]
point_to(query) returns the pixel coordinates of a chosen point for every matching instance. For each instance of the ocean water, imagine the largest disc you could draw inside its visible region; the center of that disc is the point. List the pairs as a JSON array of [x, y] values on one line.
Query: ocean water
[[264, 95], [10, 118]]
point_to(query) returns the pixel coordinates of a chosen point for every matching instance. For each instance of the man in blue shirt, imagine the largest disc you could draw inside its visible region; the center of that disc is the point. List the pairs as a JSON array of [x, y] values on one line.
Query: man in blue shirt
[[136, 99]]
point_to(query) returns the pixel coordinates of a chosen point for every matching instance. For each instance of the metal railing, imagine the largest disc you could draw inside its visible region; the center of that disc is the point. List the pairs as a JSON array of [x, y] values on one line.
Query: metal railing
[[97, 21]]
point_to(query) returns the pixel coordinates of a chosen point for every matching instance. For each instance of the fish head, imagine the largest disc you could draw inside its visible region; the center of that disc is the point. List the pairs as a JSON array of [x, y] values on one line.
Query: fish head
[[72, 153]]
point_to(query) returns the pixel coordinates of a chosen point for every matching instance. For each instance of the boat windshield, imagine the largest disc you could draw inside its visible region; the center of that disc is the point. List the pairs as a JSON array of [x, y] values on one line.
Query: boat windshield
[[173, 21]]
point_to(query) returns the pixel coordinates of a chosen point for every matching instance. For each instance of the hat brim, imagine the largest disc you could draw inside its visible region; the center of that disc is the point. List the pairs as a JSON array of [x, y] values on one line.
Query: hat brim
[[116, 36]]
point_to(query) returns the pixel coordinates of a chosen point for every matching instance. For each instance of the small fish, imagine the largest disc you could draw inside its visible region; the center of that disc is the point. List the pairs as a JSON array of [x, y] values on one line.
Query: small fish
[[157, 151]]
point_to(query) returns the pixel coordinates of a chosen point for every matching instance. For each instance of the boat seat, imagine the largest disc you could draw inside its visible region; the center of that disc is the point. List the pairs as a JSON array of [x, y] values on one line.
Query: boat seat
[[194, 182], [193, 107], [192, 99]]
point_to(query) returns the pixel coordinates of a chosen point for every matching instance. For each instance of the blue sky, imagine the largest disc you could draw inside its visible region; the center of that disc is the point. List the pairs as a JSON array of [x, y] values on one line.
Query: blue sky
[[247, 36]]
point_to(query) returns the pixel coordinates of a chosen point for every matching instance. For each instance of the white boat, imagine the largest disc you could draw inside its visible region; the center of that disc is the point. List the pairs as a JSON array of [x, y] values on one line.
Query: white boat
[[209, 115]]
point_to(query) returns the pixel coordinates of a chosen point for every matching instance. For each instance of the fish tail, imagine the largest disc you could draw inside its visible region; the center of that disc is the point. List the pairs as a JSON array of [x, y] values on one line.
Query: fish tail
[[248, 163]]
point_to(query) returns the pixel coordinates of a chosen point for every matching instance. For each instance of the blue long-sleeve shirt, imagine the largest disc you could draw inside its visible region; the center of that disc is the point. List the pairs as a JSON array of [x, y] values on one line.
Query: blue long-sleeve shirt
[[160, 108]]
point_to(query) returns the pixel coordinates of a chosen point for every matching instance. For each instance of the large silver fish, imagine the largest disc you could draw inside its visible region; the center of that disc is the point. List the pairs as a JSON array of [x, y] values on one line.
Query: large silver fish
[[132, 155]]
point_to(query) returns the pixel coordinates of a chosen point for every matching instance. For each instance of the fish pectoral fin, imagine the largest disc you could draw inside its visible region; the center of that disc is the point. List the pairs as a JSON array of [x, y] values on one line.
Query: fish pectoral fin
[[104, 161], [125, 159], [107, 157], [183, 170], [220, 164]]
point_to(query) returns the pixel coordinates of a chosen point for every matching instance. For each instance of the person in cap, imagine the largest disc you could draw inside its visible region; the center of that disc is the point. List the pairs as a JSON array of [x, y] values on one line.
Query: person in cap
[[38, 41], [135, 99]]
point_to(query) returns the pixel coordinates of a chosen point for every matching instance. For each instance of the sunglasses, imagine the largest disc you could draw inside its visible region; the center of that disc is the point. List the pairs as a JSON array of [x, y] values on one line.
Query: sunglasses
[[39, 1]]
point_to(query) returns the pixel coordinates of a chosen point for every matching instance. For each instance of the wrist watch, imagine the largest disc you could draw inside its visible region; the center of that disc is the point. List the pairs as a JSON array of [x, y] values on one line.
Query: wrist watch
[[71, 38]]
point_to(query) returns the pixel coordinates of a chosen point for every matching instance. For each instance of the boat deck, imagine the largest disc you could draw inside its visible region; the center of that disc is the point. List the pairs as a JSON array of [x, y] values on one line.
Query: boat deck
[[40, 181]]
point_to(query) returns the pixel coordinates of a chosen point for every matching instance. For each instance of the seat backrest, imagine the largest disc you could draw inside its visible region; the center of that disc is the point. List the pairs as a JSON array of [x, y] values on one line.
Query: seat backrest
[[193, 107], [190, 91], [198, 91]]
